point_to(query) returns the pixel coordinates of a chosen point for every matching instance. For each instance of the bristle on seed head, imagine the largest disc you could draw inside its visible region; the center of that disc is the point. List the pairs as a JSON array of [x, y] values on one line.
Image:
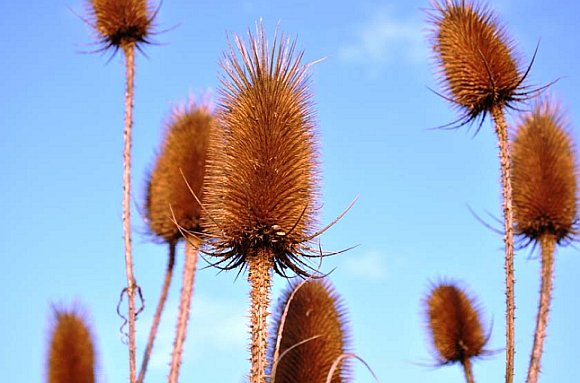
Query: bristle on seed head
[[316, 310], [177, 178], [262, 175], [121, 23], [544, 176], [454, 324], [478, 67]]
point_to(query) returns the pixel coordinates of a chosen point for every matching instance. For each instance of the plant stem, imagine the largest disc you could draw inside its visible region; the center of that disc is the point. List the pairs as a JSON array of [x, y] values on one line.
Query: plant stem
[[159, 310], [259, 265], [129, 51], [467, 370], [548, 244], [192, 245], [505, 162]]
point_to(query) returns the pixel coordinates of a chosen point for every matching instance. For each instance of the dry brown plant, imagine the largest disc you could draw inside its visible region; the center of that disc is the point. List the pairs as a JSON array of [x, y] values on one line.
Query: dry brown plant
[[545, 179], [262, 178]]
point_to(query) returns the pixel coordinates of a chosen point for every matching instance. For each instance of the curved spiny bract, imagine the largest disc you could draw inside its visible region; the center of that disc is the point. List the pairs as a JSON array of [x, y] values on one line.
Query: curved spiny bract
[[121, 23], [316, 310], [178, 175], [71, 354], [455, 326], [545, 177], [478, 67], [262, 170]]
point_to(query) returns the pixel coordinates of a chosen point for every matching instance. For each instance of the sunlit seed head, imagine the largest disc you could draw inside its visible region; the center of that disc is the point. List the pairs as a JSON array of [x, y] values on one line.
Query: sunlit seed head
[[71, 352], [315, 310], [454, 324], [177, 177], [262, 182], [477, 64], [544, 176]]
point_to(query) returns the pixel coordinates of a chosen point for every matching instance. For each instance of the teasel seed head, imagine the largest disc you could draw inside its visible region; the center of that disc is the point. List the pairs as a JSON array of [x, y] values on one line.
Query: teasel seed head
[[262, 170], [315, 310], [454, 323], [121, 23], [178, 174], [71, 353], [544, 176], [478, 67]]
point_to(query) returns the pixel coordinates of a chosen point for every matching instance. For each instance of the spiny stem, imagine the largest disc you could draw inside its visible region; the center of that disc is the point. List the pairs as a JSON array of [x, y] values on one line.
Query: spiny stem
[[260, 265], [159, 310], [191, 251], [129, 51], [548, 244], [468, 370], [505, 162]]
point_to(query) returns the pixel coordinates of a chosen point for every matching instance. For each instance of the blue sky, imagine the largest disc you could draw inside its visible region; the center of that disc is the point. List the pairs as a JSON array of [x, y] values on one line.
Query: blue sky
[[61, 116]]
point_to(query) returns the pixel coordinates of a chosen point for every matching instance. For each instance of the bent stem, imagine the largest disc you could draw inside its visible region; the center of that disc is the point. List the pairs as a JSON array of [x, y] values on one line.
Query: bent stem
[[548, 244], [158, 312], [260, 264], [129, 51], [192, 245], [467, 370], [505, 162]]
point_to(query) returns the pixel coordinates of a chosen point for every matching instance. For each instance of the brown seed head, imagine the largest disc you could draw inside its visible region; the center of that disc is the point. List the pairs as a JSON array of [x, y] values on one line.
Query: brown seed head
[[454, 324], [71, 354], [262, 182], [121, 23], [315, 310], [544, 176], [180, 162], [475, 58]]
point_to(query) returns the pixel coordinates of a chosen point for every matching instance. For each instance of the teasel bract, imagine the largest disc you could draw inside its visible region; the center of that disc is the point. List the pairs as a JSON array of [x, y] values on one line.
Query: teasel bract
[[262, 178], [310, 334], [455, 326], [481, 74], [71, 352], [173, 209], [125, 24], [545, 180]]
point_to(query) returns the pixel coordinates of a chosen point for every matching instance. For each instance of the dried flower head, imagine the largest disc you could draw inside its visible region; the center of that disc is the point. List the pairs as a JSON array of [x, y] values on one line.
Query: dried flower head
[[121, 23], [178, 174], [315, 310], [262, 177], [71, 354], [545, 176], [476, 60], [454, 324]]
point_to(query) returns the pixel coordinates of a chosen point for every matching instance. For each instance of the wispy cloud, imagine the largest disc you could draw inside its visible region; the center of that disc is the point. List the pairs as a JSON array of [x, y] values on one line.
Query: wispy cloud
[[385, 39], [370, 266]]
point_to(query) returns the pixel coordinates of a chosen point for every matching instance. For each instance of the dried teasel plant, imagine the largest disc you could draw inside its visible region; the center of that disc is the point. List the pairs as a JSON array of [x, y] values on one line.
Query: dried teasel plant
[[311, 333], [125, 24], [71, 356], [545, 180], [455, 326], [261, 180], [173, 209], [481, 74]]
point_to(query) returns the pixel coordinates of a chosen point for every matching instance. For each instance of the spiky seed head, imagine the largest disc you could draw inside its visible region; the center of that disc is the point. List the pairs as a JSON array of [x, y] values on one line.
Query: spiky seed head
[[171, 205], [315, 310], [121, 23], [262, 182], [544, 176], [476, 60], [71, 354], [454, 324]]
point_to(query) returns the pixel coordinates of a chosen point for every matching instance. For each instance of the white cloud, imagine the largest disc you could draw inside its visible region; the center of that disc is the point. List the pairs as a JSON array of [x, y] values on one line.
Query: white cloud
[[368, 266]]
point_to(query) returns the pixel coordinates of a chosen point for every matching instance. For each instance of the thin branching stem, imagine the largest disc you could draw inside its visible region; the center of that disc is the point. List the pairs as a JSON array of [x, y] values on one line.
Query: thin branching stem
[[548, 244], [467, 369], [505, 162]]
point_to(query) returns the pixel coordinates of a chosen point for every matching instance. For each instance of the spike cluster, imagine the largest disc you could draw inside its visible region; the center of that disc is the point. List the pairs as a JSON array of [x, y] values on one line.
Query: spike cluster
[[314, 310], [179, 173], [72, 354], [545, 176], [262, 177], [477, 61]]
